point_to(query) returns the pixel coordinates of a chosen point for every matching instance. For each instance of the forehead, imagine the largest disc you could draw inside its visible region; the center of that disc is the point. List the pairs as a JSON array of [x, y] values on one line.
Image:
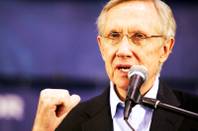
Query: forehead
[[133, 15]]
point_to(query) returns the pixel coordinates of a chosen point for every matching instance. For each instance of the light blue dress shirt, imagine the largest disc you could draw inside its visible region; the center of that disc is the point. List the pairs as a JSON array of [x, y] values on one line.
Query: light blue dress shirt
[[140, 117]]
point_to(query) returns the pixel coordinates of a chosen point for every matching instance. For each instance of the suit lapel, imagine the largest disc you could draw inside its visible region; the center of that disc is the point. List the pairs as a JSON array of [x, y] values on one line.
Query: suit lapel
[[100, 122], [100, 115], [164, 120]]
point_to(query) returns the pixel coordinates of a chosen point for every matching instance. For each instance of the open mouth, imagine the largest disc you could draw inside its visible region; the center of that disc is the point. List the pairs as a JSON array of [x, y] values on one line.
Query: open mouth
[[124, 68]]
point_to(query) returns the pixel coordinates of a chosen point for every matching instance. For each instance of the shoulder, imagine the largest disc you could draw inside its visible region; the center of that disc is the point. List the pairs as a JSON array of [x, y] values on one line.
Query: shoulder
[[170, 120], [171, 95], [84, 111], [182, 100], [188, 101]]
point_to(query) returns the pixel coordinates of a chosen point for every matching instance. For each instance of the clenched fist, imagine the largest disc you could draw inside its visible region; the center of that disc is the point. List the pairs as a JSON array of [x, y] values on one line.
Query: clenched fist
[[53, 106]]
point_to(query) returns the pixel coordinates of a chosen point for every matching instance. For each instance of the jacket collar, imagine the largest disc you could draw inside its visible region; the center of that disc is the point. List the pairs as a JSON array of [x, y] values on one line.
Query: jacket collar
[[164, 120], [100, 116]]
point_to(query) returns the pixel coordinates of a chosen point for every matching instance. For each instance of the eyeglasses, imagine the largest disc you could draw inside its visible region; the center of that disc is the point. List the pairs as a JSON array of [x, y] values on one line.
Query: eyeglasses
[[137, 38]]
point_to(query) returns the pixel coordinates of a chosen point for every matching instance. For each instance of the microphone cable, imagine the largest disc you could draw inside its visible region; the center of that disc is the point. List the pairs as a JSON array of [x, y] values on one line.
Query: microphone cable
[[130, 126]]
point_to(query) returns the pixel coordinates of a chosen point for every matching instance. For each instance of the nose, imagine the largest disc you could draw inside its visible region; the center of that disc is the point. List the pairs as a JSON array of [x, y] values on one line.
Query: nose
[[124, 49]]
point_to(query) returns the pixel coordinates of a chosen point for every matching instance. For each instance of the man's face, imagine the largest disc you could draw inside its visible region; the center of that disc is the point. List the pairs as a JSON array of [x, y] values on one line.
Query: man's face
[[132, 18]]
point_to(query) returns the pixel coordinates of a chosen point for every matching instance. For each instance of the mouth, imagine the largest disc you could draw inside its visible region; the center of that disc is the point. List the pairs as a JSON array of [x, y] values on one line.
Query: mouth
[[123, 68]]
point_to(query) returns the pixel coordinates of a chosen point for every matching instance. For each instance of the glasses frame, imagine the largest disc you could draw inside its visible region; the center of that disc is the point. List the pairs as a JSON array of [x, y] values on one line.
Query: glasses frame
[[132, 38]]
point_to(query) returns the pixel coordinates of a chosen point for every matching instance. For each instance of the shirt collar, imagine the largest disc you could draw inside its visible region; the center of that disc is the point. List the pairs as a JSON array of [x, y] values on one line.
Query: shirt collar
[[114, 99]]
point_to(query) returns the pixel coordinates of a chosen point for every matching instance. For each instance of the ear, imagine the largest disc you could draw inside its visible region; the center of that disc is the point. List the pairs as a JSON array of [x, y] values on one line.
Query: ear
[[167, 49], [101, 46]]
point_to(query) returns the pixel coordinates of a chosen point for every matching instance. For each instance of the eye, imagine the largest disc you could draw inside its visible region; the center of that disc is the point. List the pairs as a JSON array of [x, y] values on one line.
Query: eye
[[114, 35], [139, 36]]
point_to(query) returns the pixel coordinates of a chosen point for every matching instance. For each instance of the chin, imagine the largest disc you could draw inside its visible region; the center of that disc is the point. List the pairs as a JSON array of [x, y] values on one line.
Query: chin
[[123, 85]]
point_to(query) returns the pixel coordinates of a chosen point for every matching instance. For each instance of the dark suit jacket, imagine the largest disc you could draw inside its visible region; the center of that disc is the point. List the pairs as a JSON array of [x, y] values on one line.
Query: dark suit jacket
[[95, 115]]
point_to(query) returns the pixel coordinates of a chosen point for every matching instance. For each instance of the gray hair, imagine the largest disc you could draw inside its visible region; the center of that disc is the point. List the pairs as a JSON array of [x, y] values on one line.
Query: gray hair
[[164, 11]]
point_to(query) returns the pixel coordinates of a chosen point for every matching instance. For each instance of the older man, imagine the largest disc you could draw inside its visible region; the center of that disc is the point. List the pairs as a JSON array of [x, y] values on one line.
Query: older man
[[130, 32]]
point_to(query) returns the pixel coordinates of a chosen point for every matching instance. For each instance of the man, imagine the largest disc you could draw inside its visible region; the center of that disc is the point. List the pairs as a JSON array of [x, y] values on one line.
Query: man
[[130, 32]]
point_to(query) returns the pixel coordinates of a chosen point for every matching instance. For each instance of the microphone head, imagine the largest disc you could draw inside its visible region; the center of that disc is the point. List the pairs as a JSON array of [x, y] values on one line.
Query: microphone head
[[138, 70]]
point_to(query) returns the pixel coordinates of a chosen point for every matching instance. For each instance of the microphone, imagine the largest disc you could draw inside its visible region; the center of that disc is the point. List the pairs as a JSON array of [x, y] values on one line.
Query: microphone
[[137, 76]]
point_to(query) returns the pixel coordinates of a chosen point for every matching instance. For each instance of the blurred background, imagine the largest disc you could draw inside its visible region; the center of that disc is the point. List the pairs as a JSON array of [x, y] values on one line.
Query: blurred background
[[52, 44]]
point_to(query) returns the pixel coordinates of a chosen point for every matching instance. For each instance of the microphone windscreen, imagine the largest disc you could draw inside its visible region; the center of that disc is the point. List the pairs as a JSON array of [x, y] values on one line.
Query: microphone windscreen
[[138, 70]]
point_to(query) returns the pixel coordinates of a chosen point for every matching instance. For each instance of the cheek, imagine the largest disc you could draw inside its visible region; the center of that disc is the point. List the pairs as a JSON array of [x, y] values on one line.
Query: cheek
[[150, 58], [109, 53]]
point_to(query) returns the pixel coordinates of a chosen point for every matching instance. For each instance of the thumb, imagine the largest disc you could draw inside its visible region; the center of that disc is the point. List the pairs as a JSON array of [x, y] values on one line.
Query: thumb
[[75, 99], [64, 109]]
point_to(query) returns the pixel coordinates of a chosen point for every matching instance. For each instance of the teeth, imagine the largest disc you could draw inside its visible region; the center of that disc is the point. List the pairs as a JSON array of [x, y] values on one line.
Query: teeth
[[125, 69]]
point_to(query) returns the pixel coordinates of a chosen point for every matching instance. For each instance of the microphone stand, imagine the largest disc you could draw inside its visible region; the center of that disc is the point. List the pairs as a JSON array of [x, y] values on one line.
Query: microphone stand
[[153, 103]]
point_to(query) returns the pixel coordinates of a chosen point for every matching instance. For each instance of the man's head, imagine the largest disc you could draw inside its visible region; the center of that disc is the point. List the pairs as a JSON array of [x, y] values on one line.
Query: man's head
[[135, 32]]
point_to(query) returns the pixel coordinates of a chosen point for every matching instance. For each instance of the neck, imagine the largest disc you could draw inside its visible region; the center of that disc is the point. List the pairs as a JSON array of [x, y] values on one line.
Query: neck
[[122, 92]]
